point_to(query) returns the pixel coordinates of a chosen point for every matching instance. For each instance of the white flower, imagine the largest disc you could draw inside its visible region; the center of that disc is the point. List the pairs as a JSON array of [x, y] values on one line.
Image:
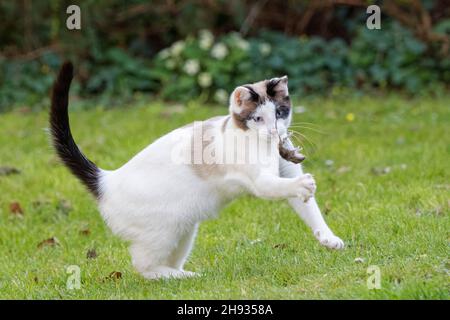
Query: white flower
[[219, 51], [221, 96], [242, 44], [170, 64], [191, 67], [265, 49], [204, 79], [177, 48], [164, 54], [206, 39]]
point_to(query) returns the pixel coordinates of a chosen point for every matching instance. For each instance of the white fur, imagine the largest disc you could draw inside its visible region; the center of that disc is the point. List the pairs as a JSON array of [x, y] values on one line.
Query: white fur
[[157, 204]]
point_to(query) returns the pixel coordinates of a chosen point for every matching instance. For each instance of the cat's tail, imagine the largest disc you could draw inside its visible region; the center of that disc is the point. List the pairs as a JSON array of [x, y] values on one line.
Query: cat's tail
[[62, 139]]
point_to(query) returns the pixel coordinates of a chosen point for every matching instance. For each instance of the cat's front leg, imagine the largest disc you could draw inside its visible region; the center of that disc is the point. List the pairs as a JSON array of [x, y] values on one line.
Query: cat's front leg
[[309, 211], [270, 186]]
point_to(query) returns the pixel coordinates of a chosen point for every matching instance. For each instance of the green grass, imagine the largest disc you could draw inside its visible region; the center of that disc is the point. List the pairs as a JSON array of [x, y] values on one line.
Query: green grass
[[256, 249]]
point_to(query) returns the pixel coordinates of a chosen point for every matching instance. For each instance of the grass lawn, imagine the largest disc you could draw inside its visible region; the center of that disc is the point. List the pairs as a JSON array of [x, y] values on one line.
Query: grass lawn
[[383, 173]]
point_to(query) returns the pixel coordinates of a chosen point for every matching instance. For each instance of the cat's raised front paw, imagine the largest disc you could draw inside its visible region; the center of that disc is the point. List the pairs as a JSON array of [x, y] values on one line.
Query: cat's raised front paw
[[328, 239], [305, 187]]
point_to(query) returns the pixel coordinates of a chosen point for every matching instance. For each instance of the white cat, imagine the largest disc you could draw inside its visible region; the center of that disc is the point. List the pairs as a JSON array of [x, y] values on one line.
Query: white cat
[[157, 199]]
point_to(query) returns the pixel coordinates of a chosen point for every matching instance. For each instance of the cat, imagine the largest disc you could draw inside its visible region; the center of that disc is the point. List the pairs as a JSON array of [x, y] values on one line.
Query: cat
[[158, 198]]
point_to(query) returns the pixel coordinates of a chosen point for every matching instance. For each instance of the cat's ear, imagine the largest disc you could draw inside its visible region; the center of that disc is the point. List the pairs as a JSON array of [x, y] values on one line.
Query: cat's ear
[[278, 86], [242, 95]]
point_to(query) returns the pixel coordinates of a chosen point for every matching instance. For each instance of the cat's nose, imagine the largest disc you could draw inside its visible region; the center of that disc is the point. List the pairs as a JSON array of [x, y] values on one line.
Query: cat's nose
[[273, 131]]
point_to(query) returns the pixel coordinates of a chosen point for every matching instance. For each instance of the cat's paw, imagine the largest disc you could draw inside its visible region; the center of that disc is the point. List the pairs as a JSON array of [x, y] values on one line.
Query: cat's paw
[[328, 239], [305, 187]]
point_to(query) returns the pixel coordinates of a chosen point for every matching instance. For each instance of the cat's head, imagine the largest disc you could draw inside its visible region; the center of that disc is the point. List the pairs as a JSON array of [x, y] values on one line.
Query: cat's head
[[264, 106]]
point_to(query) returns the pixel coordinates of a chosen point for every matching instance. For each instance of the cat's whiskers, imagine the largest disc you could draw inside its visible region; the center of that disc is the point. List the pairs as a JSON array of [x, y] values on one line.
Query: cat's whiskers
[[307, 128], [301, 137], [305, 123], [298, 139]]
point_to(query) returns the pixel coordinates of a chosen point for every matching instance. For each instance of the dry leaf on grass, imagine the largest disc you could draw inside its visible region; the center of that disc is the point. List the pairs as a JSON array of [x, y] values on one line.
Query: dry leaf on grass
[[115, 275], [85, 232], [91, 254], [15, 208], [50, 242]]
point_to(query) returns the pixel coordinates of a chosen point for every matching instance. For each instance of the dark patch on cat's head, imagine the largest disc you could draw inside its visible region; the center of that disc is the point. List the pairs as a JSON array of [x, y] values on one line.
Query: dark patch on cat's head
[[246, 99], [253, 95], [271, 84], [283, 111]]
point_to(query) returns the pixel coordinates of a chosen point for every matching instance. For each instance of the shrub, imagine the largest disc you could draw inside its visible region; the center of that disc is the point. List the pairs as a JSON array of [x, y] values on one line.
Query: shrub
[[208, 67]]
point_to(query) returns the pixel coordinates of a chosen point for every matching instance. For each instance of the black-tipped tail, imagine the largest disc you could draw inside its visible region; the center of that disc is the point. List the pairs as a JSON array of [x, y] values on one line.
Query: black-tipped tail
[[62, 138]]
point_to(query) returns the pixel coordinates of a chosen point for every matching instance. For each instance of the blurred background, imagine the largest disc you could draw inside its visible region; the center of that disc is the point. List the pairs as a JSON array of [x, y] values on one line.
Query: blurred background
[[200, 50]]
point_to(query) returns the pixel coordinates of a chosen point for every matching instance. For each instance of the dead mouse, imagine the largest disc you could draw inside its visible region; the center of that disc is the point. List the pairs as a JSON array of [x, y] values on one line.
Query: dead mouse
[[288, 151]]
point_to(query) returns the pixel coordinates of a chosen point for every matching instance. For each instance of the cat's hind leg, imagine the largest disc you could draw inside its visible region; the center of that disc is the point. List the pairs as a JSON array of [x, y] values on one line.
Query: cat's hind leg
[[151, 256], [181, 252]]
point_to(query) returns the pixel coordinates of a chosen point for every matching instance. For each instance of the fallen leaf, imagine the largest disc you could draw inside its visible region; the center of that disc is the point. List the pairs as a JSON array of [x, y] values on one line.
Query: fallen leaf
[[115, 275], [91, 254], [53, 241], [15, 208], [6, 171], [85, 232]]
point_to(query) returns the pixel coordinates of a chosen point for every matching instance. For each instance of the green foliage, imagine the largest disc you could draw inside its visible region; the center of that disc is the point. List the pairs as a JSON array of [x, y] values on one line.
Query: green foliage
[[26, 83], [206, 67], [396, 59], [116, 73], [201, 66], [388, 58]]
